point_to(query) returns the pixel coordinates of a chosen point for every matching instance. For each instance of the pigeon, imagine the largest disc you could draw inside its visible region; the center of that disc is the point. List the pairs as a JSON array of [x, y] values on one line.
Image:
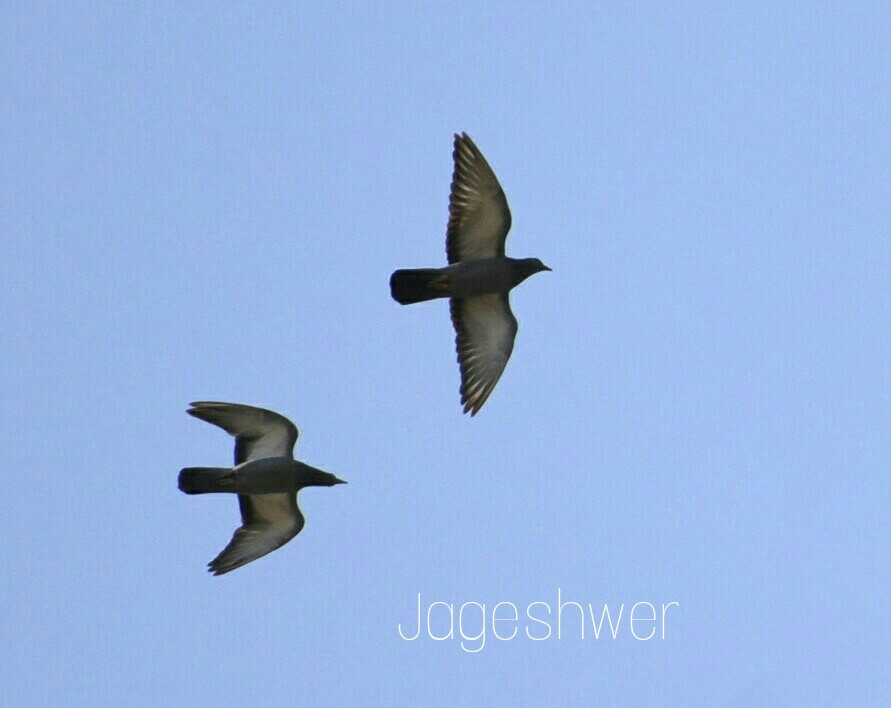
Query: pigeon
[[266, 478], [478, 278]]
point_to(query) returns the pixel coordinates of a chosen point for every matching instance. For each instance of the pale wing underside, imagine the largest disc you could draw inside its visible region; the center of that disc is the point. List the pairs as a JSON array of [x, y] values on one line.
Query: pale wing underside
[[269, 522], [485, 330], [258, 432], [479, 217]]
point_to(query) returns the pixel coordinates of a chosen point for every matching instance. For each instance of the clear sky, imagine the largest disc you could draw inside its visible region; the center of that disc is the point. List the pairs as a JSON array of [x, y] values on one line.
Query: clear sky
[[205, 201]]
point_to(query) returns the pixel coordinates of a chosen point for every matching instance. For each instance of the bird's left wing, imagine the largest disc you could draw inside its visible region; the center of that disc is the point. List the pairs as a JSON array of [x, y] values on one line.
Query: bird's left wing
[[485, 330], [269, 522]]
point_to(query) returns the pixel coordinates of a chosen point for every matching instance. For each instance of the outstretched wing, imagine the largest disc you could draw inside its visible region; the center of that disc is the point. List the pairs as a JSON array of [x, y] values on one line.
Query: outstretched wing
[[485, 330], [479, 217], [269, 522], [258, 432]]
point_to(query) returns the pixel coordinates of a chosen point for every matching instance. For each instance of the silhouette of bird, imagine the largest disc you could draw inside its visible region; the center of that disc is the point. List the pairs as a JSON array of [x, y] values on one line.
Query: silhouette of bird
[[266, 478], [478, 278]]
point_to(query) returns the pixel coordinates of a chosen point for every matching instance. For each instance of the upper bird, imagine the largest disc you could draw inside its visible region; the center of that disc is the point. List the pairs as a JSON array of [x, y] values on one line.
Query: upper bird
[[266, 478], [478, 278]]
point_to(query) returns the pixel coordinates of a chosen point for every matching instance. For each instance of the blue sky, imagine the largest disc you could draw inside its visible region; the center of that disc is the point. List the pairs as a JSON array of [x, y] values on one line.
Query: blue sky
[[201, 201]]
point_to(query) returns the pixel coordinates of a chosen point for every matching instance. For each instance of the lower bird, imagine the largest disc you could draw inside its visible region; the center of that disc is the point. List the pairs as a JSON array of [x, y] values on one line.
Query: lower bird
[[266, 478]]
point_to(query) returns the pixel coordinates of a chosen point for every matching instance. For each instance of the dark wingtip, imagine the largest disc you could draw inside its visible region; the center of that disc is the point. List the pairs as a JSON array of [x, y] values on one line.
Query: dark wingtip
[[215, 569], [463, 137], [195, 407]]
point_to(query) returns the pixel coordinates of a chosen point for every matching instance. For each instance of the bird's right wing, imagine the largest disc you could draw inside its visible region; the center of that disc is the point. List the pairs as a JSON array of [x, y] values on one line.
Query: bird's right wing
[[479, 217], [485, 330], [270, 521], [258, 432]]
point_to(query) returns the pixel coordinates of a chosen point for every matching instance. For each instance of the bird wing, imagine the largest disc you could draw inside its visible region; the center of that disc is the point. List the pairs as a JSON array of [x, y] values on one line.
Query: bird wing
[[258, 432], [485, 329], [479, 217], [269, 522]]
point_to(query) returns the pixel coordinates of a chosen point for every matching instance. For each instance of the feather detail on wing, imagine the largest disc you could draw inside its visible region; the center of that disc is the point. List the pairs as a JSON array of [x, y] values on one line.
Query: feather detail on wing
[[269, 522], [258, 432], [485, 330], [479, 217]]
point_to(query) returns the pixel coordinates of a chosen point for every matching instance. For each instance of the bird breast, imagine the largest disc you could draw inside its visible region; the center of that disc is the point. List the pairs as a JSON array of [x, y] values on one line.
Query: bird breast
[[480, 277], [269, 475]]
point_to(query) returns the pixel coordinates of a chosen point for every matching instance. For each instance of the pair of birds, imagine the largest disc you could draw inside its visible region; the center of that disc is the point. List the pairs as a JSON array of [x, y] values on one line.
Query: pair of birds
[[266, 477]]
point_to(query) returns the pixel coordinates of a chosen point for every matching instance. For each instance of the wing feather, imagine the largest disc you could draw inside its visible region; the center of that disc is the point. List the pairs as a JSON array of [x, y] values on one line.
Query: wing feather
[[479, 217], [258, 432], [485, 330], [269, 522]]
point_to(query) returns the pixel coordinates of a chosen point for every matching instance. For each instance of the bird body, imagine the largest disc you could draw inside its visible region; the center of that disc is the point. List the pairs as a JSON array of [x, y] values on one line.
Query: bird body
[[268, 475], [483, 276], [479, 275], [266, 478]]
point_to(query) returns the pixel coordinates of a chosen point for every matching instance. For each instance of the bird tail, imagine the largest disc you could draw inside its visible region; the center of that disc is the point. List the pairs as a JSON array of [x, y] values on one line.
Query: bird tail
[[204, 480], [416, 285]]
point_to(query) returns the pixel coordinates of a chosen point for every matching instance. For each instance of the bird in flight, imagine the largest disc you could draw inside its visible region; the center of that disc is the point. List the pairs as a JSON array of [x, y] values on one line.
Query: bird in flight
[[478, 278], [266, 478]]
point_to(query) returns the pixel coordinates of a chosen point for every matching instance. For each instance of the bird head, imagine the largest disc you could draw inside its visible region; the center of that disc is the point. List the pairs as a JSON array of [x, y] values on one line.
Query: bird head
[[527, 267], [313, 477]]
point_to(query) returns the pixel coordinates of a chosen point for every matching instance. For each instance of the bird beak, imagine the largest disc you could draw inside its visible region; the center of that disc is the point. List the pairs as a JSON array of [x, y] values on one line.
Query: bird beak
[[340, 481], [547, 269]]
